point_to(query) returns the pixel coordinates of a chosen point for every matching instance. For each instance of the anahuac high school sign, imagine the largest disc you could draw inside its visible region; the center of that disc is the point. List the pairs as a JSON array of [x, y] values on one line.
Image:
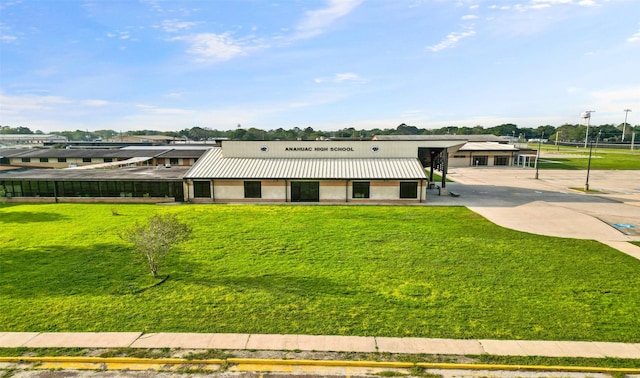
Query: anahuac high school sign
[[320, 149]]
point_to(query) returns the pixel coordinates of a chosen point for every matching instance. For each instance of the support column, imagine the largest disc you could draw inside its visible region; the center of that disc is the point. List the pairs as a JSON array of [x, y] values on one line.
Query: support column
[[445, 167]]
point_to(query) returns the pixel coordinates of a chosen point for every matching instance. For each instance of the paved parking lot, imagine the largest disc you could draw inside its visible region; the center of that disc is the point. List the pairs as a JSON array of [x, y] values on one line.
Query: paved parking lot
[[512, 197]]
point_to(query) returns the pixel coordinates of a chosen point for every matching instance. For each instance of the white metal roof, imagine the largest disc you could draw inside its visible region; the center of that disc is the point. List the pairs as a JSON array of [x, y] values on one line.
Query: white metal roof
[[213, 165], [487, 146], [118, 163]]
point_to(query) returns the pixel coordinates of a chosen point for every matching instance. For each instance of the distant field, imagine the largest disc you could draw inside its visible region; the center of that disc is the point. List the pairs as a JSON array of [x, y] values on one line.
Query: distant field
[[601, 159], [344, 270]]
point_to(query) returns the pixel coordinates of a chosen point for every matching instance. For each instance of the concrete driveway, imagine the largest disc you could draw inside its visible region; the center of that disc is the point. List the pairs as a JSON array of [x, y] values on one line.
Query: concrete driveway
[[512, 197]]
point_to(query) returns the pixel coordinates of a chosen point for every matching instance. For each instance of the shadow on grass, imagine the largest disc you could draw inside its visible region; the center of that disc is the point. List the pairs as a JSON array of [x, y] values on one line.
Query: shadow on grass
[[101, 269], [113, 269], [30, 217]]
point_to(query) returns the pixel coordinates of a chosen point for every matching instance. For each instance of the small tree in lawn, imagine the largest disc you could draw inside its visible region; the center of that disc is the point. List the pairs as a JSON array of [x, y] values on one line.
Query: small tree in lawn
[[155, 239]]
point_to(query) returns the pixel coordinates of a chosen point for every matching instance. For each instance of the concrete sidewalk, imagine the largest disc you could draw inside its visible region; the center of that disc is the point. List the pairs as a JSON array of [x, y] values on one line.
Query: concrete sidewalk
[[318, 344]]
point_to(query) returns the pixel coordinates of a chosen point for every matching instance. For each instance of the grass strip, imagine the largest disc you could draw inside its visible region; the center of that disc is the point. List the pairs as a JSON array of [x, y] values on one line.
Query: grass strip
[[318, 356]]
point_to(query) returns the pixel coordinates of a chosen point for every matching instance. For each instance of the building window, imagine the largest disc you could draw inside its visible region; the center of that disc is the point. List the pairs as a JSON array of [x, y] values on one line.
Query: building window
[[44, 160], [501, 160], [408, 190], [361, 189], [62, 160], [252, 189], [86, 160], [108, 160], [26, 160], [173, 161], [201, 189]]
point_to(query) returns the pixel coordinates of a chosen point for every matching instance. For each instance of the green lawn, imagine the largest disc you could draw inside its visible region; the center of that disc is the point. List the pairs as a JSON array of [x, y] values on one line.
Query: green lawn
[[347, 270], [577, 158]]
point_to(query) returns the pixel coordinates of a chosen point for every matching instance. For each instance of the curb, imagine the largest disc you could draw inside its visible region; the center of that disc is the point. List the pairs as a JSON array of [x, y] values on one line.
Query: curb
[[255, 363]]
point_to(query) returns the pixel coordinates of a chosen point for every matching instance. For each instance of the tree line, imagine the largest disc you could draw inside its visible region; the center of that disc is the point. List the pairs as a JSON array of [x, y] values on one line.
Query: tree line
[[564, 133]]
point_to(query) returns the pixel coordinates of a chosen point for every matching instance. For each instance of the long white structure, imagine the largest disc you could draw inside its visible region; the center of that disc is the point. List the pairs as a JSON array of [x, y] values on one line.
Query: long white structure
[[312, 171]]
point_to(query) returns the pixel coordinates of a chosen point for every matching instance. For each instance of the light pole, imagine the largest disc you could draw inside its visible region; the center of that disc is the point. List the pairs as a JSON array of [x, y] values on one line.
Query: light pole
[[587, 115], [624, 125], [538, 154], [586, 184]]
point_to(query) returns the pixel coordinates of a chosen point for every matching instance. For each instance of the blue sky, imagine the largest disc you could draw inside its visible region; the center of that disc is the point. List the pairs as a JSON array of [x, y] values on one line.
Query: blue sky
[[326, 64]]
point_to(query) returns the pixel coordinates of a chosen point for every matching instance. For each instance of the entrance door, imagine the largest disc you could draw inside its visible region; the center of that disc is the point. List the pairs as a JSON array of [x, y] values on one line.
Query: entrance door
[[305, 191], [480, 160]]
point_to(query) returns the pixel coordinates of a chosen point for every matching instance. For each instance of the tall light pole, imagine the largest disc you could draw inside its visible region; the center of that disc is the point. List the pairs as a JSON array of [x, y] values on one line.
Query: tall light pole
[[587, 115], [538, 154], [624, 125], [586, 184]]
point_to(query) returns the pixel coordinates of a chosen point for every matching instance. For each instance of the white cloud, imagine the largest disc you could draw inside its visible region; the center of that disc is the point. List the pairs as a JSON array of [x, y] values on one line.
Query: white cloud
[[12, 105], [618, 97], [451, 40], [552, 2], [340, 78], [174, 26], [542, 4], [158, 110], [469, 17], [316, 21], [475, 6], [346, 77], [210, 47], [119, 35], [635, 37], [95, 102], [154, 4], [5, 36], [218, 47]]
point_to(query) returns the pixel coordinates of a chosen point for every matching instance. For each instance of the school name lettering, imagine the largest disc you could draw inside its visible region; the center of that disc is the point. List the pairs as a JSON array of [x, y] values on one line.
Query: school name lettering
[[319, 149]]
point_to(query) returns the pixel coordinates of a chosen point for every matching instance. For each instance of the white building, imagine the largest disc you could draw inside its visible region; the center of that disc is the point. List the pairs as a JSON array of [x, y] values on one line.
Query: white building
[[30, 139], [313, 171]]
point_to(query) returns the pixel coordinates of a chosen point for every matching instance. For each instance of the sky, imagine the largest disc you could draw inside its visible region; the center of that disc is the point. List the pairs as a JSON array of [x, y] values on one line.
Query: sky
[[327, 64]]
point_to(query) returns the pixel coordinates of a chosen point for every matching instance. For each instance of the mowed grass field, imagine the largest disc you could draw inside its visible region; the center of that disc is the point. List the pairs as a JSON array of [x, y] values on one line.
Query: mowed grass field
[[601, 158], [410, 271]]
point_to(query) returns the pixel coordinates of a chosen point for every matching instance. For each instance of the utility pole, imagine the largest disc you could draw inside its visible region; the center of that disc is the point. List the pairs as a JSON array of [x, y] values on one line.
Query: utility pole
[[624, 125], [587, 115]]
